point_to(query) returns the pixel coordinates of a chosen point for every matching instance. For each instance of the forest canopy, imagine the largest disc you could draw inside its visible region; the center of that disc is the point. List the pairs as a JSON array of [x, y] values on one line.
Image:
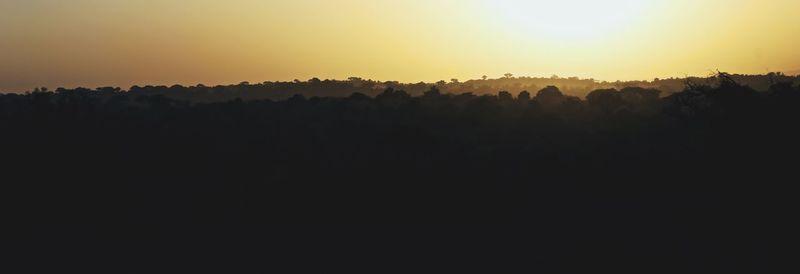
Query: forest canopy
[[572, 86]]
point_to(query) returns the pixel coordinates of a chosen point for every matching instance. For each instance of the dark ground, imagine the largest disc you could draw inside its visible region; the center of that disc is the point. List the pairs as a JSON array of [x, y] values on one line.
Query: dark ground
[[624, 181]]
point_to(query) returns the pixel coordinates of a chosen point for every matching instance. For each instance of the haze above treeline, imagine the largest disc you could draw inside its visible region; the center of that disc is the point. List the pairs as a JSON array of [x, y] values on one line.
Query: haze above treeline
[[316, 87]]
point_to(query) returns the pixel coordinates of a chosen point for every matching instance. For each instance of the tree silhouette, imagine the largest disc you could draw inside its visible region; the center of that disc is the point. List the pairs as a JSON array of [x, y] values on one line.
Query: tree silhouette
[[550, 97], [505, 96], [524, 96], [605, 100]]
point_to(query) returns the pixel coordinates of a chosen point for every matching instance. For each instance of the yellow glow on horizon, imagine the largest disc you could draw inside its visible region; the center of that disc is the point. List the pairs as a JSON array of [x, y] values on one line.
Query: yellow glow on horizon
[[122, 42]]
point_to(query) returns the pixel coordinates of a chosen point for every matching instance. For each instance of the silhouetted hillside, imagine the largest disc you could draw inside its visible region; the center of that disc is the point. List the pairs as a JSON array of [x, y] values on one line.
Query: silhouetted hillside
[[692, 181]]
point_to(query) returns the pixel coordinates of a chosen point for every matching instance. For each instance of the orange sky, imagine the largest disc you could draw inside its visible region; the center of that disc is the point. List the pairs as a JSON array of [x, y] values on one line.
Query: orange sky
[[94, 43]]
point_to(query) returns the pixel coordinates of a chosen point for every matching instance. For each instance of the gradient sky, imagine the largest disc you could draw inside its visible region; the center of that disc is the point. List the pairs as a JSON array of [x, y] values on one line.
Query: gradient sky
[[95, 43]]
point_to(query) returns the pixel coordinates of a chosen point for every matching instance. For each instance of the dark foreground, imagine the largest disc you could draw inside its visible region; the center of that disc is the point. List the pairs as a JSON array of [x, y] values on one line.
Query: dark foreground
[[625, 181]]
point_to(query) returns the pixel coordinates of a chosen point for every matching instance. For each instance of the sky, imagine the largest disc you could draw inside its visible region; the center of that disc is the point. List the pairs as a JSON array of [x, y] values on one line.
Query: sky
[[93, 43]]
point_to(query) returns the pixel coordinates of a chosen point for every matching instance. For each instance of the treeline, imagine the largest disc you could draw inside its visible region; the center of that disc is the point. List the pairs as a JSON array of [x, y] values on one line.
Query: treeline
[[620, 174], [572, 86]]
